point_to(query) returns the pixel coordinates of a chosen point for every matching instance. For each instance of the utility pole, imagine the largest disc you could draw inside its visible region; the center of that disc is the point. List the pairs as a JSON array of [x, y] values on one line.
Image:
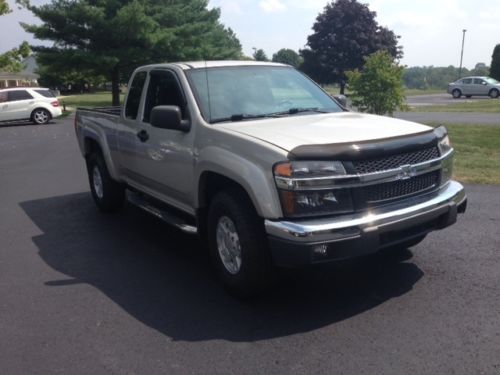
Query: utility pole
[[462, 54]]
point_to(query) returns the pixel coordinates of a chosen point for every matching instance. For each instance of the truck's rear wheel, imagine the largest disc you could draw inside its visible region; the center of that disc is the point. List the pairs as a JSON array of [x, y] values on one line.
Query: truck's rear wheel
[[108, 194], [238, 245]]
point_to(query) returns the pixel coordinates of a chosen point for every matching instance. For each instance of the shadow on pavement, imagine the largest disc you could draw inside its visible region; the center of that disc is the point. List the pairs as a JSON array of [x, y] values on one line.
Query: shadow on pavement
[[163, 279]]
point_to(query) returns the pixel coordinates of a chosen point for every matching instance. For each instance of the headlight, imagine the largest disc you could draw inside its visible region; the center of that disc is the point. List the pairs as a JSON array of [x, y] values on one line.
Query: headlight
[[444, 146], [305, 188]]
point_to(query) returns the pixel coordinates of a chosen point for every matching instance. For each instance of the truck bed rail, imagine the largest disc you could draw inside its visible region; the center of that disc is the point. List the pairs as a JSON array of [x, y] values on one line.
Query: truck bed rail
[[116, 110]]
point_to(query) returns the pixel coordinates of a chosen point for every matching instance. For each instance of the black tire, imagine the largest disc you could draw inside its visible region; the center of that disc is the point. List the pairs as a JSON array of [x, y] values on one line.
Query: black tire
[[40, 116], [456, 94], [494, 93], [111, 196], [255, 271]]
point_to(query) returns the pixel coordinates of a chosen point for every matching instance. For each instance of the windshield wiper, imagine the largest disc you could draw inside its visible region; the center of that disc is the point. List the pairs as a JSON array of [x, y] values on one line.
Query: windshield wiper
[[293, 111], [242, 117], [239, 117]]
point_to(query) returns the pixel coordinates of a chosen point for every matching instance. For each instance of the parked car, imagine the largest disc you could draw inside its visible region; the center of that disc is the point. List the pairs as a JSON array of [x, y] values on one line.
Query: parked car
[[475, 86], [268, 168], [35, 104]]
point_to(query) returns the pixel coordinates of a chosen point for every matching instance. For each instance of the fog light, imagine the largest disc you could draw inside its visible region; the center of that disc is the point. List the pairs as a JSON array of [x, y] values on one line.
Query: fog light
[[320, 249]]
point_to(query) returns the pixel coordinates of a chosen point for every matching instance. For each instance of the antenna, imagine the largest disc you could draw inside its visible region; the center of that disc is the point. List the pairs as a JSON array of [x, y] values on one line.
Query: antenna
[[208, 94]]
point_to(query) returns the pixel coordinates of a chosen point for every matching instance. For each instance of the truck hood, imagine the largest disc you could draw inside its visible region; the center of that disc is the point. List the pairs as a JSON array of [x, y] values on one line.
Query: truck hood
[[344, 127]]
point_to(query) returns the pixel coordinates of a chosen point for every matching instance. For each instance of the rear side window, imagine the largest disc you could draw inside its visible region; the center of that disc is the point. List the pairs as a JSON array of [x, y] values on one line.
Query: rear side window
[[18, 95], [478, 81], [46, 93], [3, 97], [134, 95]]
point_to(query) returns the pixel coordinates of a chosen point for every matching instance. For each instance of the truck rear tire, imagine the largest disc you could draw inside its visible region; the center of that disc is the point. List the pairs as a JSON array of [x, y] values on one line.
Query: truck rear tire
[[108, 194], [238, 244]]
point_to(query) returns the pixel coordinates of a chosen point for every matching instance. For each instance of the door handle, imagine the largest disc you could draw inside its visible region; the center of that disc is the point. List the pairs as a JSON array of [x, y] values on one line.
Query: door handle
[[143, 135]]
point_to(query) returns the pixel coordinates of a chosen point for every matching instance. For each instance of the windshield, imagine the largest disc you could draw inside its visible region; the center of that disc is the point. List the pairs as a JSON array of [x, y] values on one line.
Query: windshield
[[491, 80], [248, 92]]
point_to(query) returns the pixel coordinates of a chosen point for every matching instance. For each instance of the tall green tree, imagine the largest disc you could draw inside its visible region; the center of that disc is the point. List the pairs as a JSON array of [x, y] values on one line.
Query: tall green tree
[[259, 55], [495, 63], [378, 88], [344, 34], [287, 56], [4, 7], [11, 61], [112, 37]]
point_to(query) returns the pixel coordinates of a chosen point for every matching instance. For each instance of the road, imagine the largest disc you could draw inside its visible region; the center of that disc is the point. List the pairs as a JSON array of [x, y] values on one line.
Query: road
[[451, 117], [86, 293], [447, 117], [440, 99]]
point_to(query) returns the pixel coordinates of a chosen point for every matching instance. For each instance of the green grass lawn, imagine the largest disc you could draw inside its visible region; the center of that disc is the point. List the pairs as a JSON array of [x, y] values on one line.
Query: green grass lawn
[[98, 99], [477, 157], [416, 92], [484, 105]]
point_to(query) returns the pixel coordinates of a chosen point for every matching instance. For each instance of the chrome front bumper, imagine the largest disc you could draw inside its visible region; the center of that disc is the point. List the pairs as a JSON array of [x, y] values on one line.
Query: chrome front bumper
[[293, 243]]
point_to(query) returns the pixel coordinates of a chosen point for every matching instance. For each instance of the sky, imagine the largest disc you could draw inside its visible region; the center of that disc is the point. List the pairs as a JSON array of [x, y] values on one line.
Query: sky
[[430, 30]]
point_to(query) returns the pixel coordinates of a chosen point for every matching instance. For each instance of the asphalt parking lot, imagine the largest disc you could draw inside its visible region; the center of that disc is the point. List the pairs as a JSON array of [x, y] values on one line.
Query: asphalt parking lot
[[82, 292]]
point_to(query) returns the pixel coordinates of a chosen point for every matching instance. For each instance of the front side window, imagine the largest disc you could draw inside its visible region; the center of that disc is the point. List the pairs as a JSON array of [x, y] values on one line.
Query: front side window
[[17, 95], [239, 92], [467, 81], [3, 97], [134, 95], [163, 89]]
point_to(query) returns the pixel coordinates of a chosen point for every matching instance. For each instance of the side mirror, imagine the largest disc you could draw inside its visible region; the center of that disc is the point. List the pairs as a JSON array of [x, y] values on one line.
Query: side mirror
[[341, 99], [169, 117]]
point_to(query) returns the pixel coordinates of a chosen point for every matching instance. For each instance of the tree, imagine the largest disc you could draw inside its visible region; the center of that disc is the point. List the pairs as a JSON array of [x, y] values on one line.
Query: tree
[[288, 56], [259, 55], [480, 70], [112, 37], [495, 63], [4, 7], [11, 61], [344, 34], [379, 87]]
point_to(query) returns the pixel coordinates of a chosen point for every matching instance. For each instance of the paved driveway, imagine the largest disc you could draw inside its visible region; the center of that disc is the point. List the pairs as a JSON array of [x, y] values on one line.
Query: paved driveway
[[85, 293]]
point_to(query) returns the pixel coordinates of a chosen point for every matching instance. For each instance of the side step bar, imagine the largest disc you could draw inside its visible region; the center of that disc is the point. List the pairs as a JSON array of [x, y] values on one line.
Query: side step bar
[[167, 216]]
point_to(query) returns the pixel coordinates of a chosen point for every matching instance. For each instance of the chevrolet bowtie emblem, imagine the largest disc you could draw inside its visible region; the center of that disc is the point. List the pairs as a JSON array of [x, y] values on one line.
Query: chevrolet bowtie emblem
[[406, 172]]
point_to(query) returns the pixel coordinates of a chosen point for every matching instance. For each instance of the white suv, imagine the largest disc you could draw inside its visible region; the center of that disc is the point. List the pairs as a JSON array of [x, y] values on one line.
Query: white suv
[[28, 103]]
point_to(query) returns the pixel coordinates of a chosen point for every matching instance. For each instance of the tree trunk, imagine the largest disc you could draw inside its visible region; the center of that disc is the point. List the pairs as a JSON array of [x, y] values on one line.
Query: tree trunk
[[115, 85]]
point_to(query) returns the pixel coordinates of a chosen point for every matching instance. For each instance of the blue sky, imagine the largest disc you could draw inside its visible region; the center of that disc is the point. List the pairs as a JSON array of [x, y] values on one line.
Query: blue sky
[[431, 30]]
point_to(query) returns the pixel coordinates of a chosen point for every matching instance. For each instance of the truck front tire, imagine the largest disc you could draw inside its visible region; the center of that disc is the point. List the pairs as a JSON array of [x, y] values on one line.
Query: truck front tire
[[108, 194], [238, 244]]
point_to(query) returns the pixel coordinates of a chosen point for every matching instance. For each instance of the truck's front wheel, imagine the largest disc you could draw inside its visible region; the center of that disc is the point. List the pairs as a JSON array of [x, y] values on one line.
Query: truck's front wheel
[[108, 194], [238, 245]]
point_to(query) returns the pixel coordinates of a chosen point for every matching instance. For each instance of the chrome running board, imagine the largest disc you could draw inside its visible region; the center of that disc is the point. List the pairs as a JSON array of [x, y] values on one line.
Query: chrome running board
[[167, 216]]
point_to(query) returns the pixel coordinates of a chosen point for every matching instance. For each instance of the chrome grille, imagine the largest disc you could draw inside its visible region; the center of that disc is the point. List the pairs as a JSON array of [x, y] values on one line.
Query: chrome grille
[[395, 161], [399, 189]]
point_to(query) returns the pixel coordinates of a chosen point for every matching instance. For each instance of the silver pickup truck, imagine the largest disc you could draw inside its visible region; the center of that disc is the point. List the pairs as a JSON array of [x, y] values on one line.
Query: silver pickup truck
[[268, 168]]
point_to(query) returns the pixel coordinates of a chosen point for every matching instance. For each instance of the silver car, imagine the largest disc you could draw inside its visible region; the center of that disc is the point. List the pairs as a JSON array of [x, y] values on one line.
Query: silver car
[[480, 86]]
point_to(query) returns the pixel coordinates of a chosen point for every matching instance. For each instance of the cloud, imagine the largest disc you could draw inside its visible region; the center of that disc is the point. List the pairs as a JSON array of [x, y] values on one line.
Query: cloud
[[272, 6]]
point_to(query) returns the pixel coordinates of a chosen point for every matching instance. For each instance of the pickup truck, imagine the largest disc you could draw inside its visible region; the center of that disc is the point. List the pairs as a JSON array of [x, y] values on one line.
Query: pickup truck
[[266, 167]]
